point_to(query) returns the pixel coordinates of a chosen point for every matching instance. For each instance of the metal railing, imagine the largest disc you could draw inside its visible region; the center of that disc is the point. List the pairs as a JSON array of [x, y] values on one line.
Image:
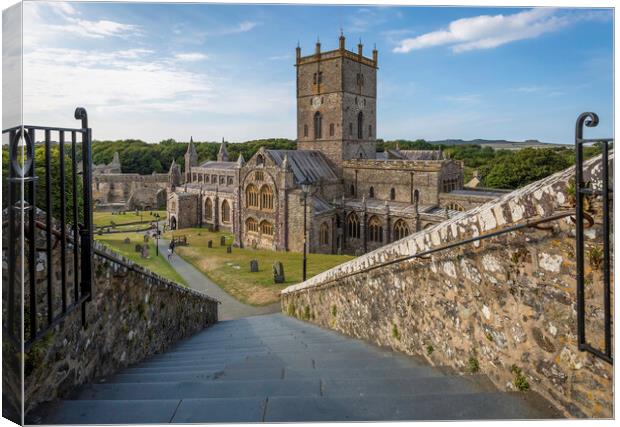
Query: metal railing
[[21, 225], [582, 190]]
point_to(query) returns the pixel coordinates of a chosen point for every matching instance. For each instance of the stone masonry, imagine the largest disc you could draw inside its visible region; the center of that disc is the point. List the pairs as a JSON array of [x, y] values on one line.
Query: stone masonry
[[133, 314], [504, 305]]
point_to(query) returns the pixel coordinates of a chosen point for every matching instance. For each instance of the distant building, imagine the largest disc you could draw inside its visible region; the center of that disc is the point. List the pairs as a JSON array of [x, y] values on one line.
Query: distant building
[[114, 190], [359, 199]]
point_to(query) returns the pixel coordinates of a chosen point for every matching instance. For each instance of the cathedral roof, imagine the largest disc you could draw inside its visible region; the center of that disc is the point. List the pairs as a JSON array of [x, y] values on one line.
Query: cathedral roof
[[307, 165], [210, 164]]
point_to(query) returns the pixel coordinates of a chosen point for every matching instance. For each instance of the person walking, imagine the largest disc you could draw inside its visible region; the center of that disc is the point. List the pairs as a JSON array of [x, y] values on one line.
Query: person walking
[[170, 250]]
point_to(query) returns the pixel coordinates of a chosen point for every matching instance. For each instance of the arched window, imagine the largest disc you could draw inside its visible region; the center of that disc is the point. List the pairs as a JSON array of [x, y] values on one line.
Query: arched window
[[324, 234], [251, 225], [260, 160], [318, 119], [352, 190], [371, 193], [353, 226], [350, 129], [331, 129], [455, 207], [401, 229], [392, 194], [225, 211], [360, 125], [208, 209], [266, 228], [266, 198], [375, 230], [306, 131], [251, 196]]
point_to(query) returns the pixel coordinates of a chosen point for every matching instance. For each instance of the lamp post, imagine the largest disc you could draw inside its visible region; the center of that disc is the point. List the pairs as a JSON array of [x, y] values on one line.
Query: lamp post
[[157, 234], [305, 190]]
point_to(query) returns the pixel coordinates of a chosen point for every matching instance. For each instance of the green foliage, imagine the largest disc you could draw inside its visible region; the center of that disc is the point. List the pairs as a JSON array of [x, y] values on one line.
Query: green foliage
[[137, 156], [334, 310], [474, 365], [519, 380], [430, 349], [306, 315], [395, 332], [595, 256]]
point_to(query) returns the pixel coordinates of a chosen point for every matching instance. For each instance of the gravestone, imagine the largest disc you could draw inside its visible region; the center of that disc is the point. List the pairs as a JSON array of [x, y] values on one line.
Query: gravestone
[[278, 272], [210, 244], [126, 241], [228, 249], [222, 241], [145, 252], [253, 266], [146, 238], [138, 248]]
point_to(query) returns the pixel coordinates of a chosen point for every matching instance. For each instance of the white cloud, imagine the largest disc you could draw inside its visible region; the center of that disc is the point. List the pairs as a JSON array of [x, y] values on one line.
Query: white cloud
[[64, 20], [191, 56], [486, 31], [242, 27]]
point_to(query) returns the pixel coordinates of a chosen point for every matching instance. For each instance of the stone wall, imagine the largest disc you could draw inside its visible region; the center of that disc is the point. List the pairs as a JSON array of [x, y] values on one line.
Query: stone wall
[[133, 314], [504, 305]]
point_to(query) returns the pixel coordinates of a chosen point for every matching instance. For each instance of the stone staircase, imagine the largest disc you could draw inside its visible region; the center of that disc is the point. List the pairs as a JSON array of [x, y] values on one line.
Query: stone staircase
[[274, 368]]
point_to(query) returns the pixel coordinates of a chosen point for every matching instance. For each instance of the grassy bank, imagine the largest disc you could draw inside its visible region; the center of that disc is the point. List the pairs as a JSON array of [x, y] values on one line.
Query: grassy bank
[[232, 271], [157, 264], [106, 218]]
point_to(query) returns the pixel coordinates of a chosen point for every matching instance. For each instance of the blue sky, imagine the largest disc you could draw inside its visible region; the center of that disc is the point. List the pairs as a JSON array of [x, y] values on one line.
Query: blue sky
[[157, 71]]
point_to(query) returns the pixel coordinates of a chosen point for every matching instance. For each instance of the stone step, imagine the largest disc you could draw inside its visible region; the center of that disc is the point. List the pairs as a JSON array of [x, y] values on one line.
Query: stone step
[[287, 373], [286, 387], [200, 390], [467, 406]]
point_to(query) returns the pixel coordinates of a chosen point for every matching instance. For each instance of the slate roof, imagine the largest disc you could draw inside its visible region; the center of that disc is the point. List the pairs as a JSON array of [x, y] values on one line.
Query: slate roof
[[307, 165], [421, 154], [479, 193], [210, 164]]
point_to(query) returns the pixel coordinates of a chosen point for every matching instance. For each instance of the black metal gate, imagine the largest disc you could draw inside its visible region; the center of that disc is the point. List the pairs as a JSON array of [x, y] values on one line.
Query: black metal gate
[[33, 214], [583, 190]]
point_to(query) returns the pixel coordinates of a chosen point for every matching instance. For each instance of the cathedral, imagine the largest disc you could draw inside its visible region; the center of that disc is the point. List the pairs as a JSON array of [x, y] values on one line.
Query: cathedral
[[354, 198]]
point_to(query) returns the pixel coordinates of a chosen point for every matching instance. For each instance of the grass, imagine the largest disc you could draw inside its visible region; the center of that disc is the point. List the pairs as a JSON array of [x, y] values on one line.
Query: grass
[[232, 271], [106, 218], [157, 264]]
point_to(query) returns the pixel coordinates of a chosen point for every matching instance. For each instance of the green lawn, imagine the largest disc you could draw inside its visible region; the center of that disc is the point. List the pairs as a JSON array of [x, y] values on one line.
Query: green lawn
[[232, 271], [106, 218], [154, 263]]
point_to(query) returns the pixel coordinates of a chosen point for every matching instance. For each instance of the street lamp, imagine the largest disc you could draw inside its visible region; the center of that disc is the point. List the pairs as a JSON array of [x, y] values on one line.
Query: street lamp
[[157, 234], [305, 190]]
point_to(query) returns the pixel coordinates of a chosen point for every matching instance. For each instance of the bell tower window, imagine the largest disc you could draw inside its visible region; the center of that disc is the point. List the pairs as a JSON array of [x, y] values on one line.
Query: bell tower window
[[317, 125], [360, 125], [306, 131]]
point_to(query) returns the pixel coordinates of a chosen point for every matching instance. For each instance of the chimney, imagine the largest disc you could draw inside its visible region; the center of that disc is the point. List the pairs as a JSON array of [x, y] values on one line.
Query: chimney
[[360, 47], [298, 52], [318, 47], [375, 56], [341, 41]]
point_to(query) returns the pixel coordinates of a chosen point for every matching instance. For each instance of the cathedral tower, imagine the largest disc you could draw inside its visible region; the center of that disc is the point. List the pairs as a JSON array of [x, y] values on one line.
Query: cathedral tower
[[337, 103]]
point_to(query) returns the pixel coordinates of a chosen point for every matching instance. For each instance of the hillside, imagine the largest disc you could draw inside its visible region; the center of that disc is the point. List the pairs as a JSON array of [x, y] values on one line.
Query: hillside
[[499, 144]]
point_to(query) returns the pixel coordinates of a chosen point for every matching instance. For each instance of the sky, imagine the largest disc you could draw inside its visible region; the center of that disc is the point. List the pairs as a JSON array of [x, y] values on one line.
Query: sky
[[158, 71]]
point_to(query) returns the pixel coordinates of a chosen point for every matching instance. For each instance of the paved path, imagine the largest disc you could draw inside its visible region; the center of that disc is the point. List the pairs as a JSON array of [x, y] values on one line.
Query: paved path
[[278, 369], [230, 307]]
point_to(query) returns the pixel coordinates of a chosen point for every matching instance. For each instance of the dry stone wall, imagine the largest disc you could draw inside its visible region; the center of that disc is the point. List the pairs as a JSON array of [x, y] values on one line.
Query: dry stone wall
[[504, 306], [133, 314]]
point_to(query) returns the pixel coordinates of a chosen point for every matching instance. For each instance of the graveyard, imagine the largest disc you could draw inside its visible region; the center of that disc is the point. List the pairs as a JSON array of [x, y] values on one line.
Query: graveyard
[[231, 271]]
